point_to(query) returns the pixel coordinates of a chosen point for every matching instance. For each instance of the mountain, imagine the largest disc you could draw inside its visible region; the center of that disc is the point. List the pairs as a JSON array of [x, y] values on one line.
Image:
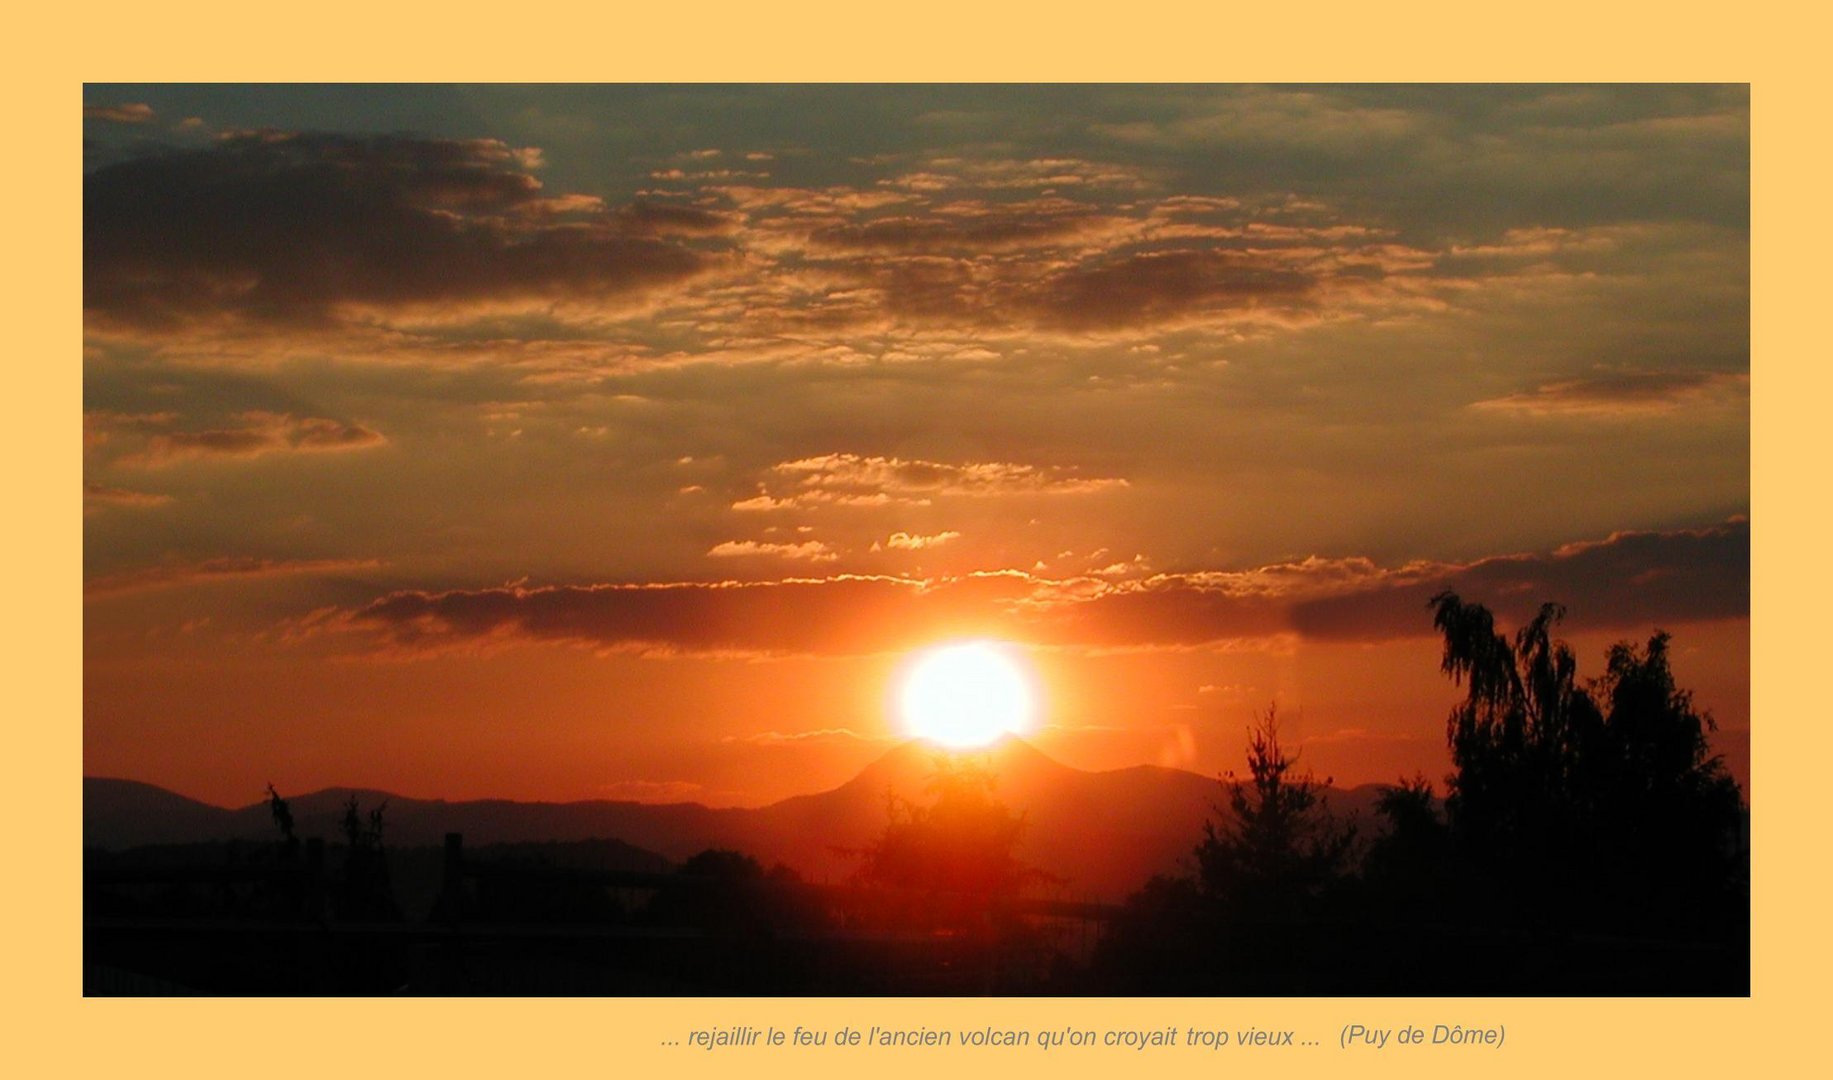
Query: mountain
[[1103, 833], [127, 813]]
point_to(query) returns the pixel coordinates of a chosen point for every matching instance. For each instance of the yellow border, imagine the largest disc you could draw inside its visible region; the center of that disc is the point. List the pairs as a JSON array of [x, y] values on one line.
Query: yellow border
[[59, 47]]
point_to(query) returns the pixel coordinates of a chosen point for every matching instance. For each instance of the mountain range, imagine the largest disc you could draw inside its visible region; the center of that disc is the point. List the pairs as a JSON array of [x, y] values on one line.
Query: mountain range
[[1103, 833]]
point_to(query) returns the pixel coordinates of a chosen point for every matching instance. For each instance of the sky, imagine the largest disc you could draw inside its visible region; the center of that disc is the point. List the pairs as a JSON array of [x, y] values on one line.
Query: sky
[[570, 442]]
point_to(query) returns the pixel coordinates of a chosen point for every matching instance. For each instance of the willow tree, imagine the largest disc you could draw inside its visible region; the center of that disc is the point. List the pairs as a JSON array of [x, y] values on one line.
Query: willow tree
[[1603, 792]]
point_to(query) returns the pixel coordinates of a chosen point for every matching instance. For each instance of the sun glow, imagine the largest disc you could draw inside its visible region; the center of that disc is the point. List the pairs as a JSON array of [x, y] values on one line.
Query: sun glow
[[966, 694]]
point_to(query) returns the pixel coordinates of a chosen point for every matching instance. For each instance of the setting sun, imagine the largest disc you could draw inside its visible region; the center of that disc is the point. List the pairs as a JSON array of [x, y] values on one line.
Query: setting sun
[[967, 694]]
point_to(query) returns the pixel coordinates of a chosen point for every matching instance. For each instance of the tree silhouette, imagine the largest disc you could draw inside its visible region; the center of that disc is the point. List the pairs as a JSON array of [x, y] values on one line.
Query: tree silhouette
[[951, 866], [1516, 737], [283, 820], [730, 893], [1583, 806], [1589, 843], [1278, 847], [1268, 872], [365, 892], [1405, 865], [964, 841]]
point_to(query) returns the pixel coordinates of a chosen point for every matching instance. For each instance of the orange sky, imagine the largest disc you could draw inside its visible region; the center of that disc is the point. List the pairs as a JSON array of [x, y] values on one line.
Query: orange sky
[[572, 442]]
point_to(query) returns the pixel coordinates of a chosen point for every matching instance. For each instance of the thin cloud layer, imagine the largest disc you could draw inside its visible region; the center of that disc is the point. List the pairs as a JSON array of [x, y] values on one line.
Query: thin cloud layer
[[209, 571], [1629, 393], [101, 496], [258, 433], [846, 479], [1628, 581], [126, 113]]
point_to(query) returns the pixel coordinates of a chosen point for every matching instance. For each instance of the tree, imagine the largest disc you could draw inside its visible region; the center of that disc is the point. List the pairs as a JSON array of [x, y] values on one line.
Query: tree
[[1515, 738], [1586, 803], [951, 866], [1278, 848], [1268, 872], [962, 842], [283, 820], [1404, 870], [365, 892], [1668, 813]]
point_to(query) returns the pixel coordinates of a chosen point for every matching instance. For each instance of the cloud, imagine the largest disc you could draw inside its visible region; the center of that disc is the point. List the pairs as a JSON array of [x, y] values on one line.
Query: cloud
[[1627, 581], [841, 261], [808, 550], [100, 496], [845, 614], [1169, 211], [307, 229], [129, 113], [426, 249], [260, 433], [844, 479], [1158, 287], [1229, 692], [102, 426], [912, 542], [1321, 122], [969, 227], [208, 571], [665, 219], [942, 173], [1628, 393]]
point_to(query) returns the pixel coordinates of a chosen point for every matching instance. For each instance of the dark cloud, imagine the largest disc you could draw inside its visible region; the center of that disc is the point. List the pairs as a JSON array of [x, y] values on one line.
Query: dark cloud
[[837, 615], [297, 228], [97, 496], [259, 433], [1624, 393], [1628, 581], [664, 218], [844, 259], [1160, 286]]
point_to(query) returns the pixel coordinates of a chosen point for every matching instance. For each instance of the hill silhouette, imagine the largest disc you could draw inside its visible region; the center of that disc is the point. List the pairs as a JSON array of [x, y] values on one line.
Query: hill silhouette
[[1103, 833]]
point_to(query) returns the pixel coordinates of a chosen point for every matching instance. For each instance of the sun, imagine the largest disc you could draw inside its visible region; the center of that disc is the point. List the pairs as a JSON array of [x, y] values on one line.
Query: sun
[[966, 694]]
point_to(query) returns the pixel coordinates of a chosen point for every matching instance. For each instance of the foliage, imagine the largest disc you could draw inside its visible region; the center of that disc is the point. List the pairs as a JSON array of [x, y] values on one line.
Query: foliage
[[1278, 847], [1589, 842], [1405, 864], [1605, 792], [964, 841]]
